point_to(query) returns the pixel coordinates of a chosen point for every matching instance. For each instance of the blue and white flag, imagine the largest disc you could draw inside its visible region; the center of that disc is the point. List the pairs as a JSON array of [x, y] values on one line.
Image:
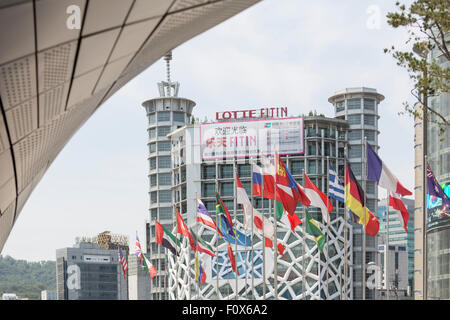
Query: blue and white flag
[[336, 188]]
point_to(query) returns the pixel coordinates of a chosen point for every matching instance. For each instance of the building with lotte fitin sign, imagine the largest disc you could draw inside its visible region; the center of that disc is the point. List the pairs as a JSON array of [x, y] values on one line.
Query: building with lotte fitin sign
[[200, 170]]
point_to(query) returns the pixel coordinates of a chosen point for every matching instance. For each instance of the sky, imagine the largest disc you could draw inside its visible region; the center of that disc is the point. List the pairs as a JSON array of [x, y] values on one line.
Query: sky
[[287, 53]]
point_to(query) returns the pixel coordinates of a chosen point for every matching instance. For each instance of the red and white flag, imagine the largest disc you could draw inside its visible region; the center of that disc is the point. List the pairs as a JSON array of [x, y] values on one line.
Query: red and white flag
[[318, 199], [396, 203]]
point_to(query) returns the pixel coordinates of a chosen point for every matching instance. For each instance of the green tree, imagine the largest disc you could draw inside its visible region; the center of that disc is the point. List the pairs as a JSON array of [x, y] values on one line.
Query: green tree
[[428, 26]]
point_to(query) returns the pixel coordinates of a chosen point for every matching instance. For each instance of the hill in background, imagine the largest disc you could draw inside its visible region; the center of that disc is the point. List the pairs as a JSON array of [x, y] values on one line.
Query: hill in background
[[26, 279]]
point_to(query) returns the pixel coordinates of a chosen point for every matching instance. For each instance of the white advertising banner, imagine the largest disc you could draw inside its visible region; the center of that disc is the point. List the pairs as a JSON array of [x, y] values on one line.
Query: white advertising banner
[[251, 138]]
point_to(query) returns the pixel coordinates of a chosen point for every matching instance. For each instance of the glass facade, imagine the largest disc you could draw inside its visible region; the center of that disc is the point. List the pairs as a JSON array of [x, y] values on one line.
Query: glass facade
[[438, 261]]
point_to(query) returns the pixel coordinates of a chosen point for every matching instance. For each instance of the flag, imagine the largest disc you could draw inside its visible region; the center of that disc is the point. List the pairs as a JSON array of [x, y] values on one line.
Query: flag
[[335, 186], [123, 262], [183, 229], [354, 199], [313, 229], [258, 218], [222, 209], [232, 260], [204, 217], [289, 220], [165, 238], [200, 274], [318, 199], [138, 249], [396, 203], [263, 181], [149, 267], [235, 236], [434, 189], [202, 246], [377, 171]]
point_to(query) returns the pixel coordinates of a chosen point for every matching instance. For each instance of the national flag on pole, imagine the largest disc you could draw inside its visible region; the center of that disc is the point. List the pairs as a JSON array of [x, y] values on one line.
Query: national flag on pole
[[354, 199], [258, 218], [138, 249], [335, 186], [148, 266], [222, 209], [204, 217], [236, 236], [202, 246], [318, 199], [396, 203], [232, 259], [434, 189], [122, 261], [377, 170], [313, 229], [200, 274], [183, 229], [165, 238]]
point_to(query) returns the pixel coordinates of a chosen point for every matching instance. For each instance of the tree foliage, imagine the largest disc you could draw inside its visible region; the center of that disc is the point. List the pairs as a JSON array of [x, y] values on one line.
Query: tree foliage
[[428, 26], [26, 279]]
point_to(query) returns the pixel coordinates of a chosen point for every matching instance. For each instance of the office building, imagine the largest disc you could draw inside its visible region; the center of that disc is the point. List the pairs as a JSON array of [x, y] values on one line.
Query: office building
[[196, 176], [394, 281], [90, 269], [165, 114], [359, 106], [138, 280]]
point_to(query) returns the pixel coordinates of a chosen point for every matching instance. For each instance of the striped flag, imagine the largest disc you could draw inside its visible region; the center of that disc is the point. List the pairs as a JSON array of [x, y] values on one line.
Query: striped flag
[[200, 274], [166, 239], [138, 249], [335, 186], [149, 267], [232, 260], [123, 262], [201, 245], [204, 217]]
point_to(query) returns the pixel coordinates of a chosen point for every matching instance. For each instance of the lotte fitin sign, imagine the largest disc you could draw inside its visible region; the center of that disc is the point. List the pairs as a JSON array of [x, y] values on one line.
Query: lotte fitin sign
[[251, 138]]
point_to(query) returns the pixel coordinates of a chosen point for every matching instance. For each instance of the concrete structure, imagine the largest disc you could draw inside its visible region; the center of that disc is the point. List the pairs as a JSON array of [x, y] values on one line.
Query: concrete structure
[[49, 295], [359, 106], [88, 272], [397, 234], [192, 176], [165, 114], [138, 280], [62, 59]]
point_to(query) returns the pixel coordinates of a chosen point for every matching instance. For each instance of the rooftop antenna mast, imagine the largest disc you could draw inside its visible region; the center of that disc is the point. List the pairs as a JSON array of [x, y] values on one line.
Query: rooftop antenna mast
[[166, 86]]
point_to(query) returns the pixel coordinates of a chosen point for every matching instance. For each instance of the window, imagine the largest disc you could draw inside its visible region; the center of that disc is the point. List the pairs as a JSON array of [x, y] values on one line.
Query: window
[[340, 106], [311, 132], [153, 197], [369, 120], [312, 149], [226, 171], [163, 116], [152, 133], [244, 170], [353, 104], [152, 147], [165, 179], [354, 119], [164, 162], [209, 172], [370, 186], [370, 135], [179, 117], [209, 190], [154, 214], [369, 104], [210, 206], [354, 135], [163, 131], [248, 187], [356, 168], [165, 196], [152, 119], [164, 146], [297, 167], [355, 151], [153, 180], [165, 213], [226, 189], [312, 167], [153, 163]]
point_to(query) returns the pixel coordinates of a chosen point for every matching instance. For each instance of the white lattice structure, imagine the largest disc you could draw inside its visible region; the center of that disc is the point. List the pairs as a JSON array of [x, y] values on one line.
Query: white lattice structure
[[182, 284]]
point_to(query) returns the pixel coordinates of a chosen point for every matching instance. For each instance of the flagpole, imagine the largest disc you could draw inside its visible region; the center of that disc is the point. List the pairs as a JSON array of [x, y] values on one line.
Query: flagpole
[[198, 263], [253, 235], [303, 244], [275, 237], [328, 218], [177, 263], [425, 218], [263, 244], [345, 231], [364, 175], [387, 246], [235, 227]]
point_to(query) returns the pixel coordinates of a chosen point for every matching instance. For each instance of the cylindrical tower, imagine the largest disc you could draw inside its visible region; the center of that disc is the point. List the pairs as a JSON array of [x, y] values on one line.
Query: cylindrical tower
[[359, 106], [165, 114]]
